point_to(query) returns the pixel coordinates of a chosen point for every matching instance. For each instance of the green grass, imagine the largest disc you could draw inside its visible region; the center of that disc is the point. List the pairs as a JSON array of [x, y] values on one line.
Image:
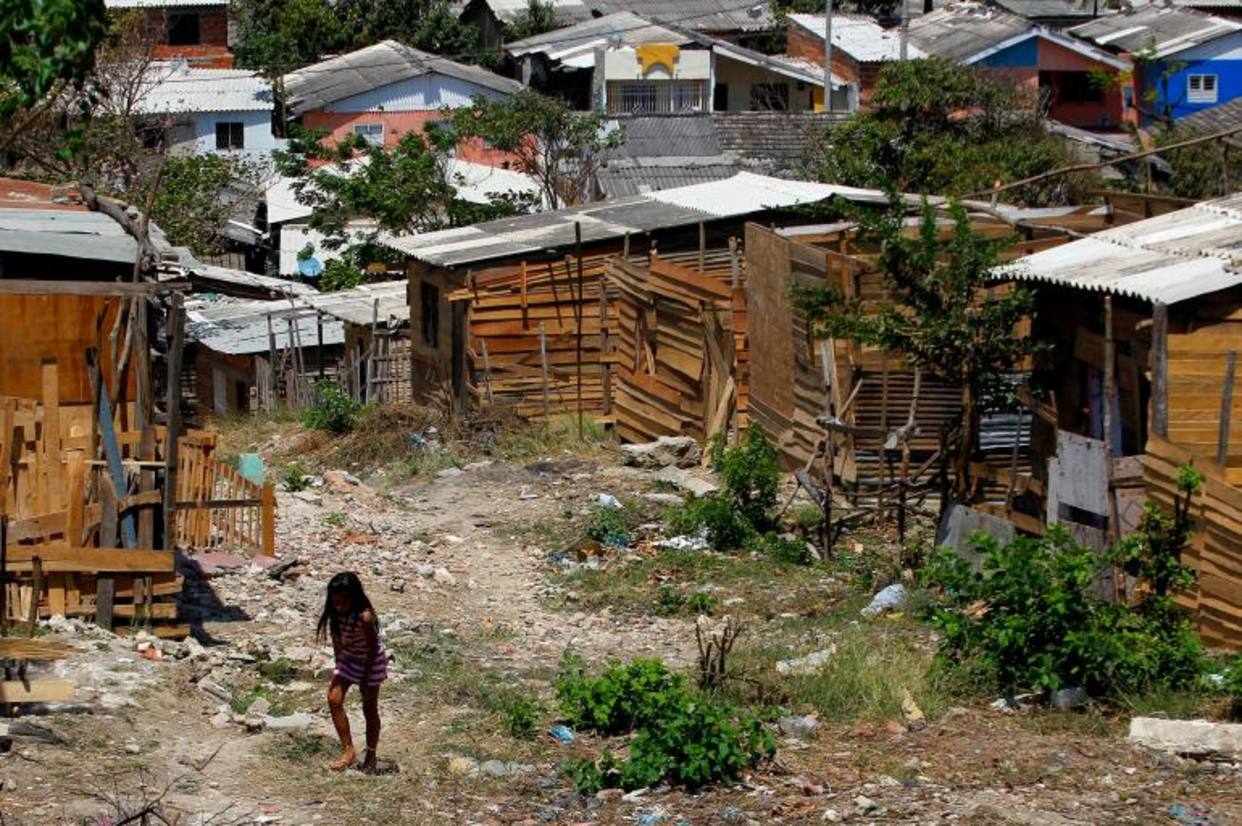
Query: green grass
[[523, 441], [642, 585]]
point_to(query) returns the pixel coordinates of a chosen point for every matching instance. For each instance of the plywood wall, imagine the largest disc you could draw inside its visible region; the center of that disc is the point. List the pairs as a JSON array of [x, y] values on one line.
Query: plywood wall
[[35, 328]]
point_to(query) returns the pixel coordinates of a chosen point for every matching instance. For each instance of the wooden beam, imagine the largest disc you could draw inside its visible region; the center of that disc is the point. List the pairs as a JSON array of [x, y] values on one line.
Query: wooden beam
[[37, 691], [1160, 370], [176, 341], [30, 286], [1226, 409], [87, 560]]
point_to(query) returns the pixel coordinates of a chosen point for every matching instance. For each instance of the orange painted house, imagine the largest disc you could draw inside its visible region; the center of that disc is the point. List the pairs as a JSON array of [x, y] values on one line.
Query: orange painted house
[[387, 90]]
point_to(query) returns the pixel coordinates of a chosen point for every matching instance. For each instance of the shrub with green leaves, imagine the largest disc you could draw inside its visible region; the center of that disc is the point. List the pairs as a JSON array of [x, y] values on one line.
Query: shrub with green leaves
[[334, 410], [782, 549], [1031, 618], [294, 477], [682, 736], [751, 472], [608, 526]]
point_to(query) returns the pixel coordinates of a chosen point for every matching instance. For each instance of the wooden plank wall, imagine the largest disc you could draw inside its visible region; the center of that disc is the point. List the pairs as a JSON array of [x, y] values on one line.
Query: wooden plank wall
[[1215, 551], [59, 327], [508, 307], [674, 350], [1197, 370]]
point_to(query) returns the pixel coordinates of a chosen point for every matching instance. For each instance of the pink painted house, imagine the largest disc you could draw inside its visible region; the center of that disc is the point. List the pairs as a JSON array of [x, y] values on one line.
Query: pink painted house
[[386, 90]]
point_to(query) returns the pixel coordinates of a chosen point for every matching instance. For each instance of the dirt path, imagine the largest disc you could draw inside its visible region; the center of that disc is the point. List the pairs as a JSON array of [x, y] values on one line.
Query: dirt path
[[458, 566]]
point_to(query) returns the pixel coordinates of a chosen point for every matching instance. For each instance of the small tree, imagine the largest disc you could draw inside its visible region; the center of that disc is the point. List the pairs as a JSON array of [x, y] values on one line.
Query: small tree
[[941, 315], [195, 198], [939, 128], [537, 18], [560, 148]]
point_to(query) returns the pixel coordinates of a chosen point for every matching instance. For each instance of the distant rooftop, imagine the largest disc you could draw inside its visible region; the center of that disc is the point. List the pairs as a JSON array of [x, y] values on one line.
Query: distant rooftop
[[373, 67], [174, 87], [1168, 30], [970, 32], [860, 37]]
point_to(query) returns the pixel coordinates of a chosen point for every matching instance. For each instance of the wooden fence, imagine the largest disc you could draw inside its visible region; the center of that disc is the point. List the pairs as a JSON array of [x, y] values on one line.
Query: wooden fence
[[80, 532], [1215, 550], [674, 348]]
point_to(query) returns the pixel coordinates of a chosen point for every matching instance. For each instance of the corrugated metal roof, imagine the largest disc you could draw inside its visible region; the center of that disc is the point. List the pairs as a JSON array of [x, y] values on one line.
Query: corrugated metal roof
[[69, 233], [175, 88], [623, 26], [373, 67], [1169, 30], [969, 32], [662, 136], [225, 277], [358, 305], [743, 194], [1048, 9], [639, 176], [1227, 115], [566, 11], [477, 182], [240, 327], [700, 15], [1169, 258], [859, 37]]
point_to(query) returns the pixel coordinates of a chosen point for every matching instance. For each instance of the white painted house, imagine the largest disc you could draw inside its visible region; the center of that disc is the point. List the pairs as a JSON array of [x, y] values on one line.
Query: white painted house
[[212, 110]]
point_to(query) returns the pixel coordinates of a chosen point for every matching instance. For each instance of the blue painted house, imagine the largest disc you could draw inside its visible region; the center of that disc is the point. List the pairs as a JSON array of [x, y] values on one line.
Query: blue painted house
[[1185, 61]]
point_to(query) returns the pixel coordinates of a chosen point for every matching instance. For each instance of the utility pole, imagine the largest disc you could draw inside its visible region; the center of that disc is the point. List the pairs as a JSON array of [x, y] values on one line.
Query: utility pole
[[828, 56], [905, 29]]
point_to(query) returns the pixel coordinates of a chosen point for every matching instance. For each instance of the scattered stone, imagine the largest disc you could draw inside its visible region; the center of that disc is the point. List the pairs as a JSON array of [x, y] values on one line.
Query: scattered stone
[[831, 816], [28, 730], [462, 766], [299, 721], [1200, 739], [891, 598], [259, 708], [132, 748], [864, 804], [340, 480], [215, 690], [310, 497], [683, 480], [397, 586], [810, 664], [732, 814], [1068, 699], [500, 768], [678, 451], [671, 500], [800, 727], [443, 577], [449, 473], [910, 711]]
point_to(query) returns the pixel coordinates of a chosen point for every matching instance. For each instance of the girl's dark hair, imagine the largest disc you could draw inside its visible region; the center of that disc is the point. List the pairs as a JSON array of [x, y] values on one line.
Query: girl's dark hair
[[346, 582]]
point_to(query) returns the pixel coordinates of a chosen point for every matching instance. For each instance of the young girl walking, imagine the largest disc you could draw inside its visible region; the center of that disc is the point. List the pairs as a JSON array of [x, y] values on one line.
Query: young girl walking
[[350, 620]]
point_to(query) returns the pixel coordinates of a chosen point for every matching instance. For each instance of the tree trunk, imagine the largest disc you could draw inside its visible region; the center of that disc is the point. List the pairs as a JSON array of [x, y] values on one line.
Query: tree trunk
[[967, 440]]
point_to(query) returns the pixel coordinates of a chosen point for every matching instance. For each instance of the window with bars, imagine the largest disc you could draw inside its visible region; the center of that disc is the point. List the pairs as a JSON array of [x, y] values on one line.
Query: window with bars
[[656, 97], [1201, 88], [372, 133]]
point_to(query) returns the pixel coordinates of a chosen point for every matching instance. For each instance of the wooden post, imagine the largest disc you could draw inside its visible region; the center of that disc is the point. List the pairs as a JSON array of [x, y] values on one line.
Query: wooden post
[[319, 340], [735, 267], [1226, 410], [604, 348], [625, 248], [146, 483], [522, 287], [1110, 381], [176, 341], [543, 364], [580, 308], [487, 372], [267, 503], [271, 352], [371, 348], [51, 433], [1160, 369], [36, 588], [702, 246], [105, 586]]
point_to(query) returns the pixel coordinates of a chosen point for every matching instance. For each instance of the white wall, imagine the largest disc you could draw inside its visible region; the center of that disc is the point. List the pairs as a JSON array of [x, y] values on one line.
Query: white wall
[[258, 138], [692, 64], [425, 93]]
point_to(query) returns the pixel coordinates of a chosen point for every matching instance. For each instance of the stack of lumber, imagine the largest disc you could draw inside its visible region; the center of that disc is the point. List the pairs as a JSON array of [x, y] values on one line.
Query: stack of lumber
[[674, 350], [1215, 549]]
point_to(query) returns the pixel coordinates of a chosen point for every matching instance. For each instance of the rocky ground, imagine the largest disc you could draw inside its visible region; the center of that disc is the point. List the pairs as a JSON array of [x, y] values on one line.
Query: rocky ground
[[480, 592]]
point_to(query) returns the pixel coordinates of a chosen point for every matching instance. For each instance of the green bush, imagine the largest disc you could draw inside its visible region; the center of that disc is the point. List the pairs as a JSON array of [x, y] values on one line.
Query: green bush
[[294, 477], [1031, 619], [669, 600], [608, 526], [751, 472], [521, 715], [701, 602], [782, 549], [724, 527], [621, 698], [334, 410], [682, 736]]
